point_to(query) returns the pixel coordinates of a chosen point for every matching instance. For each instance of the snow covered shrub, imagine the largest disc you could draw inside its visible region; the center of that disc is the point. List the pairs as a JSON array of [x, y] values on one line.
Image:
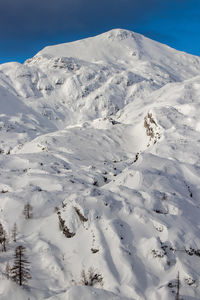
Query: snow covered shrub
[[64, 228], [80, 215], [92, 277], [94, 250]]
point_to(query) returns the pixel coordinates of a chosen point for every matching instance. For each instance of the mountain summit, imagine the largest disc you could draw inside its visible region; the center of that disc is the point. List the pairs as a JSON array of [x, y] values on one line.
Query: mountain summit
[[100, 171], [122, 47]]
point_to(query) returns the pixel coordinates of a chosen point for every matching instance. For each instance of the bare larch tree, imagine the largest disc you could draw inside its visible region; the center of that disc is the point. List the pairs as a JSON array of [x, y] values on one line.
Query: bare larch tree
[[14, 233], [28, 211], [3, 238], [20, 271]]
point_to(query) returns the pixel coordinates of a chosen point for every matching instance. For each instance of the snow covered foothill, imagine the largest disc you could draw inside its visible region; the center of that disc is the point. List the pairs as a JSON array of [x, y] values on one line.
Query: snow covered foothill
[[101, 138]]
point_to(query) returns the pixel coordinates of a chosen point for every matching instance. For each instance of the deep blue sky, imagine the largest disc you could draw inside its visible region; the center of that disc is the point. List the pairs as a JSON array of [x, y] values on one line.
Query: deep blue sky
[[26, 26]]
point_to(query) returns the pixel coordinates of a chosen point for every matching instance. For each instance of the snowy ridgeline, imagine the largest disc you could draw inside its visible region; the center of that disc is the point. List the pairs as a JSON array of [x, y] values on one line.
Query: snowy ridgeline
[[100, 172]]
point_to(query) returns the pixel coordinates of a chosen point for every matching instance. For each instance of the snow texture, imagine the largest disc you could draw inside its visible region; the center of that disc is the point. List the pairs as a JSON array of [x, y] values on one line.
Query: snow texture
[[102, 138]]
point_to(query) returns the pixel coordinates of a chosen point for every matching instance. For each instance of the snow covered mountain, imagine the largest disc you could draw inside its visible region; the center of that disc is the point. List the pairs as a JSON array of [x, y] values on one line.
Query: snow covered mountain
[[102, 138]]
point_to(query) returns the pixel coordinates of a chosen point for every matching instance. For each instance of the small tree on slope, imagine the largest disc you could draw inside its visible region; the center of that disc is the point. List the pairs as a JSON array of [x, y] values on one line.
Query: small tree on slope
[[28, 211], [20, 272], [3, 238], [14, 233], [178, 288]]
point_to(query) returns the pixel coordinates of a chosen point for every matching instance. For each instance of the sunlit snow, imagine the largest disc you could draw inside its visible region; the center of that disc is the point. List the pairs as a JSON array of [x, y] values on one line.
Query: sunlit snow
[[104, 134]]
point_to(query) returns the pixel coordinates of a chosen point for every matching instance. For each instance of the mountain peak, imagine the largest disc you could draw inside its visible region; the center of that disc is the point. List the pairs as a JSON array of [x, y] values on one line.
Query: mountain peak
[[95, 48], [118, 33], [123, 47]]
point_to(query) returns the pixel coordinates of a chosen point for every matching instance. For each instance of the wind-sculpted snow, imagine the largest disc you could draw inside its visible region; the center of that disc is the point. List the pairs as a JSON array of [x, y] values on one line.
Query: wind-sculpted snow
[[101, 138]]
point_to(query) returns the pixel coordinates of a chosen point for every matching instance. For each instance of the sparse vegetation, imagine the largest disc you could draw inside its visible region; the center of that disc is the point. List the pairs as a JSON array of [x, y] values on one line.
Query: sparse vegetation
[[192, 251], [91, 278], [65, 230], [81, 216]]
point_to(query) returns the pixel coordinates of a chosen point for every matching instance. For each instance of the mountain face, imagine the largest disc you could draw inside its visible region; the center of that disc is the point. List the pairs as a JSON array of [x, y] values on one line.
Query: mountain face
[[101, 137]]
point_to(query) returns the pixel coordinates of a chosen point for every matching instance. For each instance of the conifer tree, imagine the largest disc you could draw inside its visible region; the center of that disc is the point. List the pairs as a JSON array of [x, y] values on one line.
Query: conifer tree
[[28, 211], [14, 233], [20, 271], [3, 238], [178, 287]]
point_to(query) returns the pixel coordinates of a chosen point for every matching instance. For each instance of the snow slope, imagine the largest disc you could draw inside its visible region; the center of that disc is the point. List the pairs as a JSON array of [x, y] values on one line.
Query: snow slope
[[103, 135]]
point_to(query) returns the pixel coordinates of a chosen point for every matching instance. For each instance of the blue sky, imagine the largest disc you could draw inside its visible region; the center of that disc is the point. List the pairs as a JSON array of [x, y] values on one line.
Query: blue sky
[[26, 26]]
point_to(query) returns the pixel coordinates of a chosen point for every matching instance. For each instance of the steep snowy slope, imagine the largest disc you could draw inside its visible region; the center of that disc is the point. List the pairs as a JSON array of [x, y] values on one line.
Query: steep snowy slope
[[101, 138]]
